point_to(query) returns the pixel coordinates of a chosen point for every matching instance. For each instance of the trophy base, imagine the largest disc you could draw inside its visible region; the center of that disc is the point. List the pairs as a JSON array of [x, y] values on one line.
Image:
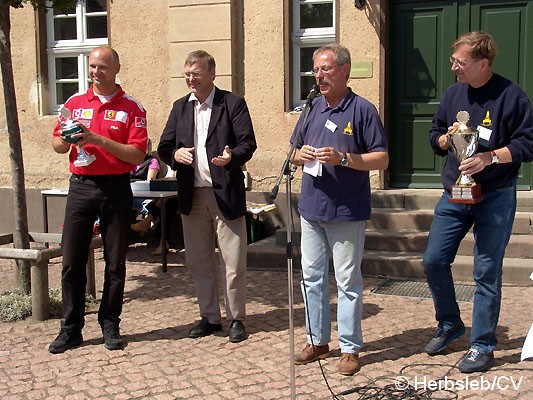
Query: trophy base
[[83, 162], [466, 194]]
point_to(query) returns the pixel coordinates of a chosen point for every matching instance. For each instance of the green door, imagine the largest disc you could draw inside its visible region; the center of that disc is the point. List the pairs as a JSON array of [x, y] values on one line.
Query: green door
[[421, 33]]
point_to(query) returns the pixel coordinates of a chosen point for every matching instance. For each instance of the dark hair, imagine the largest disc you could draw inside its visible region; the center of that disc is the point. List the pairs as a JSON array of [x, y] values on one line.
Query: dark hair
[[482, 43], [195, 56]]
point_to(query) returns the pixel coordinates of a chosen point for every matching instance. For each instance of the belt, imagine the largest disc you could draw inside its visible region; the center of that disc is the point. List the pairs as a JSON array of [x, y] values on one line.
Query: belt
[[103, 177]]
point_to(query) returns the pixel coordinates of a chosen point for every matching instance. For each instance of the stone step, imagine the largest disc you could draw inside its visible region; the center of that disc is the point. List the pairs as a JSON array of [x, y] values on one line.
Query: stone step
[[520, 246], [516, 271], [420, 199], [396, 240], [266, 254], [400, 218], [396, 237], [413, 199]]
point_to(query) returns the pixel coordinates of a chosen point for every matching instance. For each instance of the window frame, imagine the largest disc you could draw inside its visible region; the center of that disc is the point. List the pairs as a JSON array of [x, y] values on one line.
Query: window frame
[[305, 38], [78, 48]]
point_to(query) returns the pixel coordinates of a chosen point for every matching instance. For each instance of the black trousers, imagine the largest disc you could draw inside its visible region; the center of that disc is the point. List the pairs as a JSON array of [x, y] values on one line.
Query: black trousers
[[110, 198]]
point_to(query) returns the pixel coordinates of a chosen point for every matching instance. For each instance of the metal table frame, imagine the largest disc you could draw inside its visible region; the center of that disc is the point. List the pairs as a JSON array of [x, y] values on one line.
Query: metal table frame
[[163, 196]]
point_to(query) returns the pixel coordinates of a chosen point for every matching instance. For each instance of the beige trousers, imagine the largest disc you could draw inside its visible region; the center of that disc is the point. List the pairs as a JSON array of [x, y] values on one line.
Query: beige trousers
[[202, 228]]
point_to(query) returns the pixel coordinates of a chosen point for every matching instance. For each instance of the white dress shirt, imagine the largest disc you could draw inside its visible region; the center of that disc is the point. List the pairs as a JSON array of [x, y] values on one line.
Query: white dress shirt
[[202, 116]]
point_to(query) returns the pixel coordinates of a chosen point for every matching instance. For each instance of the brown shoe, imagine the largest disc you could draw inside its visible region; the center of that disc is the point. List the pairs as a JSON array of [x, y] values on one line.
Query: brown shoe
[[311, 353], [143, 225], [349, 364]]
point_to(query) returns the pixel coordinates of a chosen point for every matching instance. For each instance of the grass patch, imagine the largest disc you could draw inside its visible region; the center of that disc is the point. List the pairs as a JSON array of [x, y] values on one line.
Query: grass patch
[[16, 306]]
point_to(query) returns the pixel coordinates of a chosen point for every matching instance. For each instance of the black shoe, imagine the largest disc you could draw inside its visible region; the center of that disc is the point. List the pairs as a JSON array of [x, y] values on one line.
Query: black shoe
[[112, 338], [65, 340], [204, 328], [443, 337], [475, 361], [237, 332]]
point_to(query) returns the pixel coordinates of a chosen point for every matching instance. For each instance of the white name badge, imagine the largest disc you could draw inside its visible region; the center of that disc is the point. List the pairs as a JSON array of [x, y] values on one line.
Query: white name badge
[[331, 125], [484, 133]]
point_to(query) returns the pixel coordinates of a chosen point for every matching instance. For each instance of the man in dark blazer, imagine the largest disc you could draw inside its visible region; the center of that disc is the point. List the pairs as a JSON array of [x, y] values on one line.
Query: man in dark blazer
[[207, 139]]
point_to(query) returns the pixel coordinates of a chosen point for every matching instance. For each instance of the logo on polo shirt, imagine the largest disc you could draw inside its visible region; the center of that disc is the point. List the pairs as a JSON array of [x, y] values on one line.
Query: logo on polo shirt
[[487, 121], [82, 113], [348, 129], [112, 115], [140, 122]]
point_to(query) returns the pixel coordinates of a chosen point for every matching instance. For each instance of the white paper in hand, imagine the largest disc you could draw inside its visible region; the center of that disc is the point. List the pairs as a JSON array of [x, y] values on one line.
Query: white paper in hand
[[313, 168]]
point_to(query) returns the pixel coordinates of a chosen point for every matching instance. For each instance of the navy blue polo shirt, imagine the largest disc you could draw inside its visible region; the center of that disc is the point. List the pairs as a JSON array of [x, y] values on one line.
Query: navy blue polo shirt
[[341, 193]]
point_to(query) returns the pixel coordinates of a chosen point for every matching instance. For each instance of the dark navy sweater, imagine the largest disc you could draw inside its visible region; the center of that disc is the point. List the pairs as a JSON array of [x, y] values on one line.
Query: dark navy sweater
[[503, 111]]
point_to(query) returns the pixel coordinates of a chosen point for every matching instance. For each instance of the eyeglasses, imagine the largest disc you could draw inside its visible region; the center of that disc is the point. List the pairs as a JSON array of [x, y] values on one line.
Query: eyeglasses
[[324, 68], [194, 75], [460, 63]]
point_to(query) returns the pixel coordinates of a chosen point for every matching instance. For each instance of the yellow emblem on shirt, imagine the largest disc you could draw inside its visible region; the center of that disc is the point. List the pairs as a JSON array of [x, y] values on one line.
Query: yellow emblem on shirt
[[487, 121], [348, 129]]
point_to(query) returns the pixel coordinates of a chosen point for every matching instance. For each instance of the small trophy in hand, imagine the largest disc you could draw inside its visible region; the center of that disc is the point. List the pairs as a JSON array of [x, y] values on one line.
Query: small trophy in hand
[[70, 132], [464, 141]]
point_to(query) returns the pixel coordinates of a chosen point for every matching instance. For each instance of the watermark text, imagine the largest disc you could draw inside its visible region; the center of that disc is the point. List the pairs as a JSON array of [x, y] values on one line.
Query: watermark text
[[501, 383]]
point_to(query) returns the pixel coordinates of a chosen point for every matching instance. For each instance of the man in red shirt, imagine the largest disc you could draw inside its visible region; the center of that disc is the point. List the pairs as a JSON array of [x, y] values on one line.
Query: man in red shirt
[[114, 132]]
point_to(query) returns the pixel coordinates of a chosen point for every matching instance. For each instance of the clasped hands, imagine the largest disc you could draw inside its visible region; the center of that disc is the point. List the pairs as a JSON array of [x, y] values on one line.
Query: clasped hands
[[324, 155]]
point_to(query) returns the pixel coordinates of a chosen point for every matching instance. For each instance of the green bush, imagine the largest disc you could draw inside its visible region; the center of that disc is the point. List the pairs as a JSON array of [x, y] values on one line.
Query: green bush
[[16, 306]]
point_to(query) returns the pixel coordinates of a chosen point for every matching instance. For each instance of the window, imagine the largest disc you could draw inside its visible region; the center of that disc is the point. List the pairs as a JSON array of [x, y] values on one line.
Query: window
[[313, 27], [70, 39]]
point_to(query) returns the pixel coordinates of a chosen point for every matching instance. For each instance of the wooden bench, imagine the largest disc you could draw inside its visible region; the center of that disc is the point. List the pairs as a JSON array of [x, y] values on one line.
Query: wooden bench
[[39, 258]]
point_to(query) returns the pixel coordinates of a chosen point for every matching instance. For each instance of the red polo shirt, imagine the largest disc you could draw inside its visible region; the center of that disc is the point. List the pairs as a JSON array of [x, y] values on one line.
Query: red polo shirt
[[122, 119]]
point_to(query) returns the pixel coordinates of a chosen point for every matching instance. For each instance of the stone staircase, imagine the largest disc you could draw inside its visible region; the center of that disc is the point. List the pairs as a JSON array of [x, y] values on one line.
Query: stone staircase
[[396, 237], [397, 234]]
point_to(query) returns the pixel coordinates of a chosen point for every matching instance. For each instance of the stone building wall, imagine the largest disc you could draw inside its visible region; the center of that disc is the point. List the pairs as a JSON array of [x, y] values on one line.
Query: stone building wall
[[250, 41]]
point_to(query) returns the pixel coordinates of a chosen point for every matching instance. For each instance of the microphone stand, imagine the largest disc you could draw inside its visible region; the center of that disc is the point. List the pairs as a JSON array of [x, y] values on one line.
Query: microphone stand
[[289, 172]]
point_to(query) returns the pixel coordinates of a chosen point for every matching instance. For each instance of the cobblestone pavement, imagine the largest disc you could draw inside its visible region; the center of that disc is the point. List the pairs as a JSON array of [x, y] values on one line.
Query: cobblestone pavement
[[161, 362]]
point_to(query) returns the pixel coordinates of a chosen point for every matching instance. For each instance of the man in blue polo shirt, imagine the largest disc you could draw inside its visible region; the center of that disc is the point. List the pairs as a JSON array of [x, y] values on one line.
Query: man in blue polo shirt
[[341, 141]]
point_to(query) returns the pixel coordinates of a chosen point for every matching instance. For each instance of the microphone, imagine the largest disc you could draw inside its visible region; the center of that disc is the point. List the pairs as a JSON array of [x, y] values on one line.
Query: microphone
[[315, 91]]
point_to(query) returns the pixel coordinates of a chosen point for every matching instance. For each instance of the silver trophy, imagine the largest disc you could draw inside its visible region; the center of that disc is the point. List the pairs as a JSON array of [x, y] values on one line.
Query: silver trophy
[[463, 142], [70, 131]]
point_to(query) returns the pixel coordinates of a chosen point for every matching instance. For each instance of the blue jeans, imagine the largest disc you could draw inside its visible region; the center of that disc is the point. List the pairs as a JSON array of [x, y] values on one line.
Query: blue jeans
[[345, 239], [492, 221]]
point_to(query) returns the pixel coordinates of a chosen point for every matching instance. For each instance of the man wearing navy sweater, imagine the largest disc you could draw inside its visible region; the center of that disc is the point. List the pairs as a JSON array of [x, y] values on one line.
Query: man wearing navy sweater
[[502, 114]]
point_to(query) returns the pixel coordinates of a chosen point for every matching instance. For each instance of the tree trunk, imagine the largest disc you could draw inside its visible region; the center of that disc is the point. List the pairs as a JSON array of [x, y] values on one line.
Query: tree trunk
[[20, 236]]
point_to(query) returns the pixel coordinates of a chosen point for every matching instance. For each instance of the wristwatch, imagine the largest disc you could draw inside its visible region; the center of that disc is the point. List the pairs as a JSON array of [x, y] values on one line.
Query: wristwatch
[[494, 157], [344, 160]]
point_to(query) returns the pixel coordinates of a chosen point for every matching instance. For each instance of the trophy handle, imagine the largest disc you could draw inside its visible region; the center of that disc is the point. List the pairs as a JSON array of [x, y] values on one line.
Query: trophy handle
[[452, 145]]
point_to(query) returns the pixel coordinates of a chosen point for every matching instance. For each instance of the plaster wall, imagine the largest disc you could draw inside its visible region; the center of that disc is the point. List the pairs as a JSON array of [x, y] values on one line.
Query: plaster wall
[[249, 40], [41, 165], [139, 33], [266, 36]]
